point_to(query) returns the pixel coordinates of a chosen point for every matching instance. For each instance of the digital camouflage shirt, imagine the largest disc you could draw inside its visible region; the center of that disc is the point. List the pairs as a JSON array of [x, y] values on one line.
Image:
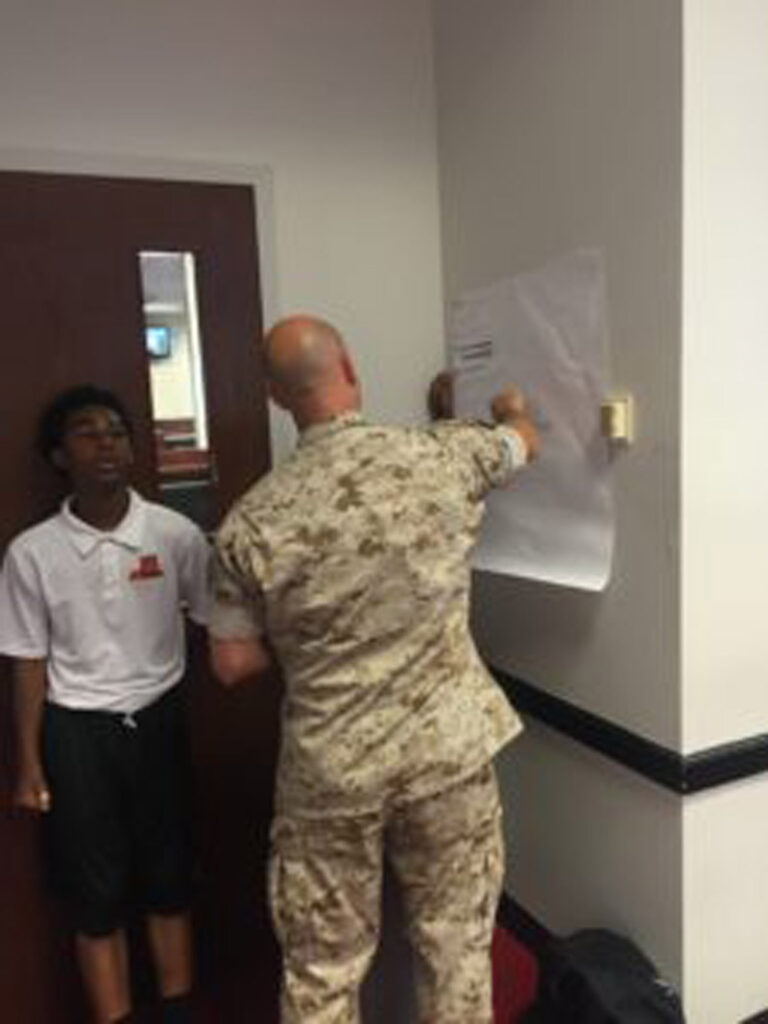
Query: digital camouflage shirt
[[352, 558]]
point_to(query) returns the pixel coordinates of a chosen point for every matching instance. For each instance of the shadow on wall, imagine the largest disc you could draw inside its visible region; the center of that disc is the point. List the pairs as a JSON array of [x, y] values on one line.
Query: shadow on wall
[[503, 605]]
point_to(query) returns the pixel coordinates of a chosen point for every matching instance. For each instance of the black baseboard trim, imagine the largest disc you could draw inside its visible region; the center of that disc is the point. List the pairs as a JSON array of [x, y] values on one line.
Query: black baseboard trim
[[682, 774]]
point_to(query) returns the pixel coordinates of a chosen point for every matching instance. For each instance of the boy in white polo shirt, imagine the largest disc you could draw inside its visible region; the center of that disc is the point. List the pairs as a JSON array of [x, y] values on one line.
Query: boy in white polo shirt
[[91, 612]]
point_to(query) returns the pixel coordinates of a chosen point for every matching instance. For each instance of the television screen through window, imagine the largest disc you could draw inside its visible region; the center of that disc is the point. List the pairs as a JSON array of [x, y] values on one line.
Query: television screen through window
[[158, 342]]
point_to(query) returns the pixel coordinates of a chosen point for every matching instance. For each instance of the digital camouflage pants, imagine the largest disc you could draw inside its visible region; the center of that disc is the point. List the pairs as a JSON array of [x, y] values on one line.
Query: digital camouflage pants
[[325, 892]]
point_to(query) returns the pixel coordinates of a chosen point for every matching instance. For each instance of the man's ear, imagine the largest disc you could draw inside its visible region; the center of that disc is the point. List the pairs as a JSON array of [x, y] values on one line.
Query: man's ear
[[348, 370], [59, 459], [276, 394]]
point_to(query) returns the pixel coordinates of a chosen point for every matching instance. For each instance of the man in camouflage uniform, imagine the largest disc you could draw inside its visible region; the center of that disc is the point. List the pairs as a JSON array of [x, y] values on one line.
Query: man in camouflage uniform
[[349, 563]]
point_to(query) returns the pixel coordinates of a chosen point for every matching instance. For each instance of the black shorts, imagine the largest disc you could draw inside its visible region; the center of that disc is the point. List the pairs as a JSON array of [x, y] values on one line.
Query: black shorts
[[119, 821]]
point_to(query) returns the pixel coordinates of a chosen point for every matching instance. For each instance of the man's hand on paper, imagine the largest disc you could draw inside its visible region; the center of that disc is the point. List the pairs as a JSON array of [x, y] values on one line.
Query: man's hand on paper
[[510, 407]]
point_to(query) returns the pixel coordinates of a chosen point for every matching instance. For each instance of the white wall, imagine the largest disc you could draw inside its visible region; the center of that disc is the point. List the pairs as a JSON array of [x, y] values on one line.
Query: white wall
[[725, 842], [725, 496], [336, 98], [725, 370], [559, 126], [592, 844], [641, 127]]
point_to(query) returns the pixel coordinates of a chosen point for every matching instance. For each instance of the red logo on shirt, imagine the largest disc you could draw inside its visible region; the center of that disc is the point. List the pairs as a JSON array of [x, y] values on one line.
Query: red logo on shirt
[[149, 567]]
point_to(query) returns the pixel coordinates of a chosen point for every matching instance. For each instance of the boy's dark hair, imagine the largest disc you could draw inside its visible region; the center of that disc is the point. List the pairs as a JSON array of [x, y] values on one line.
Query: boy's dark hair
[[53, 421]]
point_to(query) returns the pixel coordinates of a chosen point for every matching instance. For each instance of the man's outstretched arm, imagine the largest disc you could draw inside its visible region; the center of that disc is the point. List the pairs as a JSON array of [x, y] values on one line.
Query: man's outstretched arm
[[510, 408]]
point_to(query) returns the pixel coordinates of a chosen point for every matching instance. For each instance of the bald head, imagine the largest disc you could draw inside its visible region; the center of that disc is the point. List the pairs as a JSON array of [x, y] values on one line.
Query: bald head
[[309, 369]]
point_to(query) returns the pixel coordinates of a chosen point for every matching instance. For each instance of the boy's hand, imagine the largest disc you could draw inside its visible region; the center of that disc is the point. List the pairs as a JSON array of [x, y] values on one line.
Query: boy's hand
[[32, 793]]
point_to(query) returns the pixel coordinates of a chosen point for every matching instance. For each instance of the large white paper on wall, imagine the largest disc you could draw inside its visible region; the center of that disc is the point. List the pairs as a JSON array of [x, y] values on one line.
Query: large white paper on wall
[[547, 332]]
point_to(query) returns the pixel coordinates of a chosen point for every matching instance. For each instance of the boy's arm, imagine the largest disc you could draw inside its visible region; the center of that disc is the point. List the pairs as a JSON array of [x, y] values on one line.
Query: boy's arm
[[24, 636], [194, 573], [29, 685]]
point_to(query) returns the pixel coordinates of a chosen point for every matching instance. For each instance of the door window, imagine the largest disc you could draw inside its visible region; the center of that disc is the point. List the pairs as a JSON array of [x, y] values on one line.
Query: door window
[[184, 459]]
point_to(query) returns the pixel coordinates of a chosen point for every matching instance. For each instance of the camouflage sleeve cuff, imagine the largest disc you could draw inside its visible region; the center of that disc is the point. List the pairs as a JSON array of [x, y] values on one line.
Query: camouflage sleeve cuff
[[503, 455], [236, 613], [516, 450], [228, 621]]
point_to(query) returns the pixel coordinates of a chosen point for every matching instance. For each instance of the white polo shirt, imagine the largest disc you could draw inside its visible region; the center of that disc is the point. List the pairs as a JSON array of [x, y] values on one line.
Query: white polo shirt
[[104, 607]]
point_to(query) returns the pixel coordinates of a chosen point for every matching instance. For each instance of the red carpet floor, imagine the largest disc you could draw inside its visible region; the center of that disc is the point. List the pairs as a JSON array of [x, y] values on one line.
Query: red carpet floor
[[515, 978]]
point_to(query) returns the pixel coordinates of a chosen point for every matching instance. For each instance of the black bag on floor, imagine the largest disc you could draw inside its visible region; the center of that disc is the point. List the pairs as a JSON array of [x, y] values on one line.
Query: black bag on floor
[[596, 977]]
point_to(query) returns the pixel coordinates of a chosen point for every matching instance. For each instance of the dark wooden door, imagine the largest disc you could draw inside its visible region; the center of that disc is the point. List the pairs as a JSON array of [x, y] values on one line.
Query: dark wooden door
[[71, 312]]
